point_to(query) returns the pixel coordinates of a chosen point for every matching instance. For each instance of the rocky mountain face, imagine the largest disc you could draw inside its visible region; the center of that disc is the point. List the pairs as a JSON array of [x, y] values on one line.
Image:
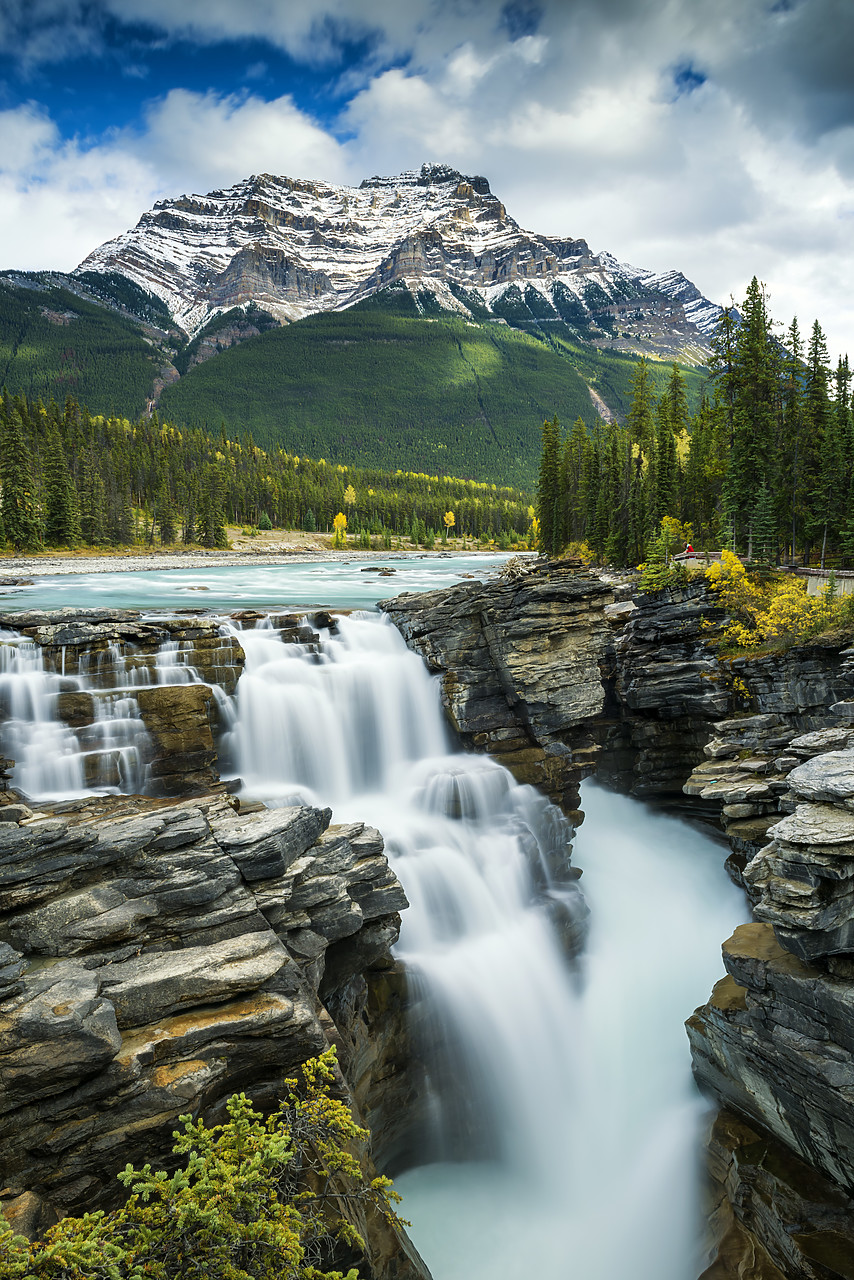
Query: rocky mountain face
[[296, 247]]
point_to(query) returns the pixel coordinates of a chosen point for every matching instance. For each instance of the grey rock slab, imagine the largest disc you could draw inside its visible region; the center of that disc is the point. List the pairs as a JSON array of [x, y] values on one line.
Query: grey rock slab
[[153, 986], [828, 777], [266, 844], [55, 1033], [817, 824], [821, 740]]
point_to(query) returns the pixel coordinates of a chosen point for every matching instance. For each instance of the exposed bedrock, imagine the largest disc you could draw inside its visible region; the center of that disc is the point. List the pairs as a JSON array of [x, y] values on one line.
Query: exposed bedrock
[[156, 956], [775, 1042], [543, 668], [522, 662], [668, 692]]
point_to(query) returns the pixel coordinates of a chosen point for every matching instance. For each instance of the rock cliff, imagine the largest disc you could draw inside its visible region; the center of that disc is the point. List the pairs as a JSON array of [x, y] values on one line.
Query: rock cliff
[[531, 672], [774, 1042], [157, 955], [521, 661]]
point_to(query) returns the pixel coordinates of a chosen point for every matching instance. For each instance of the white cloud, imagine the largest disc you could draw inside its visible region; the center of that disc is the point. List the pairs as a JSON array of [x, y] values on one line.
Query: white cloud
[[718, 139], [204, 141], [60, 199]]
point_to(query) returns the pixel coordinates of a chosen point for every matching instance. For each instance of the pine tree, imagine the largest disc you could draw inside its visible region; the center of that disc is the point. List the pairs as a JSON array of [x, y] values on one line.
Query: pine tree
[[757, 402], [166, 516], [764, 526], [793, 424], [20, 520], [638, 518], [93, 502], [666, 474], [640, 420], [823, 447], [549, 488], [61, 507]]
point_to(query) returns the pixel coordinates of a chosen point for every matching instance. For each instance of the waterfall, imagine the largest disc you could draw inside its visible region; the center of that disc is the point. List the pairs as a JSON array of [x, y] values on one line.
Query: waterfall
[[565, 1130], [559, 1133], [106, 745]]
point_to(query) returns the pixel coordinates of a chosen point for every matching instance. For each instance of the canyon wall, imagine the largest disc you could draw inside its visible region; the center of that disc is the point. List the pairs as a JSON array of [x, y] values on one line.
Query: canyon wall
[[760, 745]]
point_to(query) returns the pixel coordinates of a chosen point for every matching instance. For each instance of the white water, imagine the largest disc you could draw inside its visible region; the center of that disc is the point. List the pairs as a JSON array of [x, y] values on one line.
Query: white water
[[573, 1090], [53, 761]]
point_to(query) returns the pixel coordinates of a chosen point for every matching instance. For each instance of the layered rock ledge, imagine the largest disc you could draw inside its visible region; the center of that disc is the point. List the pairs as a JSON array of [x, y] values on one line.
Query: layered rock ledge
[[775, 1043], [157, 956]]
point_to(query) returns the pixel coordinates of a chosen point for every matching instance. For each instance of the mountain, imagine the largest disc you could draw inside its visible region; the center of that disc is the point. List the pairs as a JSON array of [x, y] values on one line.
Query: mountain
[[407, 323], [294, 248]]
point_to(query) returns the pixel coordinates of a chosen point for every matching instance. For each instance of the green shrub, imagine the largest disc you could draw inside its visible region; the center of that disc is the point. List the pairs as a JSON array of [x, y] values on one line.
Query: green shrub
[[253, 1199]]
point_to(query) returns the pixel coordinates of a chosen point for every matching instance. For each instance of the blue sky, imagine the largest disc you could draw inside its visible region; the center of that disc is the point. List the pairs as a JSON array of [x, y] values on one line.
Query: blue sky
[[712, 136]]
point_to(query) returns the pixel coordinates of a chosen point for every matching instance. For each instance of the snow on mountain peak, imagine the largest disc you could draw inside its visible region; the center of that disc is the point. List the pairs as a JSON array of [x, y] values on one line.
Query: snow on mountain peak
[[296, 247]]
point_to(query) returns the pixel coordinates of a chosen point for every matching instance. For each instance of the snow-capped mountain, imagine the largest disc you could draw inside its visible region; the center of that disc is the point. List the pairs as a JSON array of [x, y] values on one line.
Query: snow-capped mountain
[[295, 247]]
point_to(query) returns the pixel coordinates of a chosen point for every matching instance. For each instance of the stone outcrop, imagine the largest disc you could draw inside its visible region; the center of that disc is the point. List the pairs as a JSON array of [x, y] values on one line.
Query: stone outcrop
[[521, 659], [156, 957], [667, 692], [775, 1041], [182, 755]]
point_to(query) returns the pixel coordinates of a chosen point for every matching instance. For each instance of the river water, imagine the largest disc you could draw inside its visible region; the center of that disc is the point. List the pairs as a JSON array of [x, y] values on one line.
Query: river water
[[319, 584], [564, 1130]]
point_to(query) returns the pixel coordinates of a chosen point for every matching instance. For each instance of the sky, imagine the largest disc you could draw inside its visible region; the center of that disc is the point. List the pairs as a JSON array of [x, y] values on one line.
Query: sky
[[715, 137]]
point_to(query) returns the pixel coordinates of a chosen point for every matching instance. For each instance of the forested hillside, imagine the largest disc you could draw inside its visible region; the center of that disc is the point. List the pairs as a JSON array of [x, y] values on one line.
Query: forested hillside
[[765, 466], [54, 343], [373, 388], [70, 478]]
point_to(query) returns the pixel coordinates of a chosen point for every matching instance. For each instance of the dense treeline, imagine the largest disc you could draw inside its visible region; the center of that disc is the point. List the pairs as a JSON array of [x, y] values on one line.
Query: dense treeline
[[765, 467], [70, 478]]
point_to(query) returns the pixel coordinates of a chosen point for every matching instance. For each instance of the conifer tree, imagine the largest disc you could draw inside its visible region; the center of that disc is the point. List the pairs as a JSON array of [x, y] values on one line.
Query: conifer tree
[[20, 519], [764, 526], [549, 488], [666, 474], [823, 447], [641, 422], [754, 453], [61, 507], [166, 516], [793, 424]]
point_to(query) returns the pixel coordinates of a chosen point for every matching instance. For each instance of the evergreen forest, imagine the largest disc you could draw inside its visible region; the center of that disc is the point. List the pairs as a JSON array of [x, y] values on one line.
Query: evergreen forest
[[764, 467], [71, 478], [373, 388], [394, 383]]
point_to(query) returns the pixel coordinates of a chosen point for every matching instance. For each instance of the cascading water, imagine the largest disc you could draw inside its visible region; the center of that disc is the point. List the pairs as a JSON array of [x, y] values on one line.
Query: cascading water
[[107, 750], [563, 1129], [569, 1087]]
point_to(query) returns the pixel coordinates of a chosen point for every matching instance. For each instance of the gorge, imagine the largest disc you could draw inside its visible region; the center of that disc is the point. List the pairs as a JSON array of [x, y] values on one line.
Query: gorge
[[161, 950]]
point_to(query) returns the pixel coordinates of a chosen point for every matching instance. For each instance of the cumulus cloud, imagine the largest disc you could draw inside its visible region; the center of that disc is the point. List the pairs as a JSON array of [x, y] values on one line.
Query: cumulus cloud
[[60, 198], [718, 139]]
